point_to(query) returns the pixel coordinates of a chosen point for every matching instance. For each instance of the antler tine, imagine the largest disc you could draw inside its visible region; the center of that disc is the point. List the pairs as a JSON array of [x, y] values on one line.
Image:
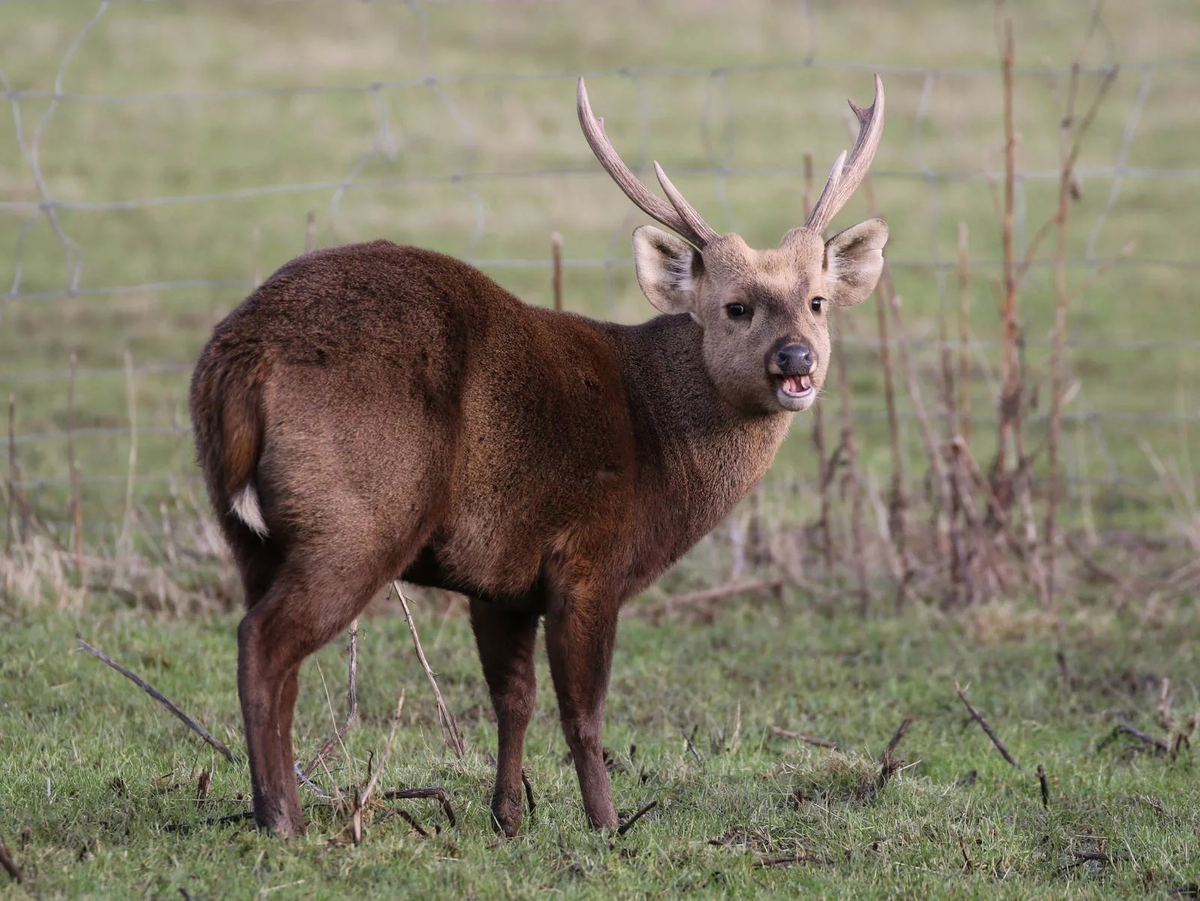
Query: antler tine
[[679, 216], [848, 174], [687, 212]]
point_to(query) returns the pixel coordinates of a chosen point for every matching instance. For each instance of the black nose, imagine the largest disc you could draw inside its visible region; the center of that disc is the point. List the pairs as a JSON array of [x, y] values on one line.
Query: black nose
[[795, 359]]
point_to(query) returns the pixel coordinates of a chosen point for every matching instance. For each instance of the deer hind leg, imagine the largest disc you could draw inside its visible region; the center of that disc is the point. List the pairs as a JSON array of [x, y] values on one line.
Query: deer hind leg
[[581, 630], [305, 608], [506, 642]]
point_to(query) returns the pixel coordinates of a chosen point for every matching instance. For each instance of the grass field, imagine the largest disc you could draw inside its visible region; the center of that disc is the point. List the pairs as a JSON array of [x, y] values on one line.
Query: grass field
[[193, 140], [488, 162], [98, 785]]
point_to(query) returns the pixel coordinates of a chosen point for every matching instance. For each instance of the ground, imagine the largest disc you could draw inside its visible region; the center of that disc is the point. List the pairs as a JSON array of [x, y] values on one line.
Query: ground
[[98, 784], [193, 141]]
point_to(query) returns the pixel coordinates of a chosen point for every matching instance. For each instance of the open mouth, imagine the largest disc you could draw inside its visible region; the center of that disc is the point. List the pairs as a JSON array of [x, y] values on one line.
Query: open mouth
[[796, 385], [795, 392]]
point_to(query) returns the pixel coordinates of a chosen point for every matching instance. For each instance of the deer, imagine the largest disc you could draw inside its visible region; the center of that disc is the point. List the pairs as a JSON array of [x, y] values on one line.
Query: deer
[[374, 412]]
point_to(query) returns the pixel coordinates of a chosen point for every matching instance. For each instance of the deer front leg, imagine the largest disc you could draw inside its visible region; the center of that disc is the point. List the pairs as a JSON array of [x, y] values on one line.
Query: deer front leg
[[580, 633], [506, 643]]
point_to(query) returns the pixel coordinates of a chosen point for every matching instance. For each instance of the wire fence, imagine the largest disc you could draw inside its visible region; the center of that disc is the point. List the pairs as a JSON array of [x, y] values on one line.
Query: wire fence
[[53, 209]]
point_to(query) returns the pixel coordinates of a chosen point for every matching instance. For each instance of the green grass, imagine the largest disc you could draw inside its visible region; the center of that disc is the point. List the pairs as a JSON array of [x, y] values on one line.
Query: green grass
[[98, 784], [759, 122]]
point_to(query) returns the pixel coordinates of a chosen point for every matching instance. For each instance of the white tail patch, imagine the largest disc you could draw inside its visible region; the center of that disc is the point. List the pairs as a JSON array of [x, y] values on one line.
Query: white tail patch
[[245, 507]]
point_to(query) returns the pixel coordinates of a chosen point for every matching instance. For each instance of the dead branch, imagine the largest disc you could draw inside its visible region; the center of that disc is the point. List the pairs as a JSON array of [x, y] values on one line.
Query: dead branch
[[691, 747], [1010, 368], [11, 493], [1165, 717], [925, 427], [716, 594], [361, 800], [450, 734], [7, 862], [351, 704], [556, 278], [964, 330], [896, 739], [629, 823], [76, 502], [986, 728], [1041, 774], [885, 297], [434, 791], [851, 457], [1158, 743], [807, 739], [158, 696], [528, 792], [967, 865], [887, 760], [407, 817]]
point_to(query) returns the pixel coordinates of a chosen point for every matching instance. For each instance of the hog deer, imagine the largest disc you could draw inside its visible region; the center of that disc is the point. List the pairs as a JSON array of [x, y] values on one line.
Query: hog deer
[[374, 412]]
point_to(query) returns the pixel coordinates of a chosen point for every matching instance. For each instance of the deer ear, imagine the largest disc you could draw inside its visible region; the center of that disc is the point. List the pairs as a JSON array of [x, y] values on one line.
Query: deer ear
[[667, 268], [854, 262]]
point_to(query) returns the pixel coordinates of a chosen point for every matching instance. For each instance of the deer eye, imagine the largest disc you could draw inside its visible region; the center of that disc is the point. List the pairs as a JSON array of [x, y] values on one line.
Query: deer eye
[[816, 303], [736, 310]]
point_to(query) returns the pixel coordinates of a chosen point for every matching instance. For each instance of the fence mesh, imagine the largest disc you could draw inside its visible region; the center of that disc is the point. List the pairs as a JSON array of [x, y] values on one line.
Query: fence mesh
[[104, 259]]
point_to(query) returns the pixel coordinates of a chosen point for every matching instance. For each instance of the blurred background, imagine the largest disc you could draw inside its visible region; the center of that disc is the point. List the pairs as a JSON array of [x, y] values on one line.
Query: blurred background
[[157, 159]]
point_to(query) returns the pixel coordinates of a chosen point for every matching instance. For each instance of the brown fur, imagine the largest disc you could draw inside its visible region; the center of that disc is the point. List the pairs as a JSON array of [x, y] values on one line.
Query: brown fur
[[396, 414]]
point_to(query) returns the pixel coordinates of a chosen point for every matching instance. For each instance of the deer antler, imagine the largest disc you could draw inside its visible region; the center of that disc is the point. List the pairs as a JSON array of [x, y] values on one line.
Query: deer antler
[[847, 175], [679, 215]]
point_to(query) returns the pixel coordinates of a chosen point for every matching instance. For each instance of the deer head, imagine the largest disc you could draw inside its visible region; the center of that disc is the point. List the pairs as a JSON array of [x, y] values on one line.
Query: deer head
[[764, 312]]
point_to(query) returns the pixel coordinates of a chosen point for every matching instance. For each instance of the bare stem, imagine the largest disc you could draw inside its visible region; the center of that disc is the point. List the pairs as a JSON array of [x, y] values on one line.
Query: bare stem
[[450, 733], [556, 252], [964, 330], [76, 503], [885, 294], [856, 487], [986, 728], [131, 403], [1010, 370], [158, 696], [351, 704]]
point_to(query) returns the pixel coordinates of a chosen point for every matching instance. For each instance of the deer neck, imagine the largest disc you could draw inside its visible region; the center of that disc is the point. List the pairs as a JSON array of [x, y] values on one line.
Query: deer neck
[[699, 455]]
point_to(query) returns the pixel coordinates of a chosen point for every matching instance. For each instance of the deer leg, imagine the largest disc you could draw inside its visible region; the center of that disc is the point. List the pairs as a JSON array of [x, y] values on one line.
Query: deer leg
[[506, 643], [299, 614], [580, 634]]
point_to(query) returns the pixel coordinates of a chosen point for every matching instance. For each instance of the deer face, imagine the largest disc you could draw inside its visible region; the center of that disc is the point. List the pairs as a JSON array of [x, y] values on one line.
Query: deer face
[[766, 337], [764, 312]]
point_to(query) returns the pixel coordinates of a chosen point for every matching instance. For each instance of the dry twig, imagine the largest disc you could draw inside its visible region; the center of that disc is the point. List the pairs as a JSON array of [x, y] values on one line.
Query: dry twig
[[807, 739], [716, 594], [8, 863], [434, 791], [629, 823], [450, 734], [363, 798], [1160, 745], [158, 696], [885, 297], [887, 759], [528, 792], [556, 249], [986, 728], [76, 502], [351, 704]]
